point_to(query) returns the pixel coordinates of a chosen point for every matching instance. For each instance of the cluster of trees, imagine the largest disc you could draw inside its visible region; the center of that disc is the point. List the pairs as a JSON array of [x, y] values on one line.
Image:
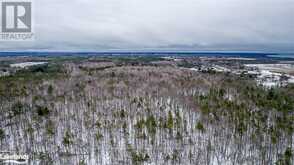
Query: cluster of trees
[[145, 114], [262, 118]]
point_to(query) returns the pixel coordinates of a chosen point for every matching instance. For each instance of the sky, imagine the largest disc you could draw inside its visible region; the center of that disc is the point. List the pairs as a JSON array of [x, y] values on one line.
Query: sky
[[197, 25]]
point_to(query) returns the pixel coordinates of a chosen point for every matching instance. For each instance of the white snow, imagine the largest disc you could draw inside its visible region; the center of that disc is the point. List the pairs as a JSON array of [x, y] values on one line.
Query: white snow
[[26, 64], [194, 69], [270, 75]]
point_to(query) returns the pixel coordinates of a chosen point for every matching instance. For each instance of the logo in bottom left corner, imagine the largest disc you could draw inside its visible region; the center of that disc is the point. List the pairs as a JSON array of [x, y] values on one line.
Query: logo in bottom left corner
[[13, 158]]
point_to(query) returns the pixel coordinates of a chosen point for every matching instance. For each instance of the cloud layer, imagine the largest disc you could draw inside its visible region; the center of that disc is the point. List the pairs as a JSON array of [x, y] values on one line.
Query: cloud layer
[[262, 25]]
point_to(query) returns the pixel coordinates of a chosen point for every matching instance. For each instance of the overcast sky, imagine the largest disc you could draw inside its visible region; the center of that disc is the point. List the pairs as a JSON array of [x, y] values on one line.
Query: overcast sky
[[101, 25]]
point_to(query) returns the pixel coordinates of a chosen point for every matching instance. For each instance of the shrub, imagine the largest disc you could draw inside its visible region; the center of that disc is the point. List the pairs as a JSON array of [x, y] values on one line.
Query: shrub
[[200, 127], [42, 111], [50, 128], [18, 108], [286, 158], [50, 89], [2, 134], [139, 157], [170, 121], [67, 139], [98, 136], [151, 124], [140, 124]]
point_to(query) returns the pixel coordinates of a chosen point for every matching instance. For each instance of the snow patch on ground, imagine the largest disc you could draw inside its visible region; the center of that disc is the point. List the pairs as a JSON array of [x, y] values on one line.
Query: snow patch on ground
[[270, 75], [26, 64]]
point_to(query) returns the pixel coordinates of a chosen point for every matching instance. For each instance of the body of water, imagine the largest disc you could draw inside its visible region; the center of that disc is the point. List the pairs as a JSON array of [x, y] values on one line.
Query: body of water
[[282, 55]]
